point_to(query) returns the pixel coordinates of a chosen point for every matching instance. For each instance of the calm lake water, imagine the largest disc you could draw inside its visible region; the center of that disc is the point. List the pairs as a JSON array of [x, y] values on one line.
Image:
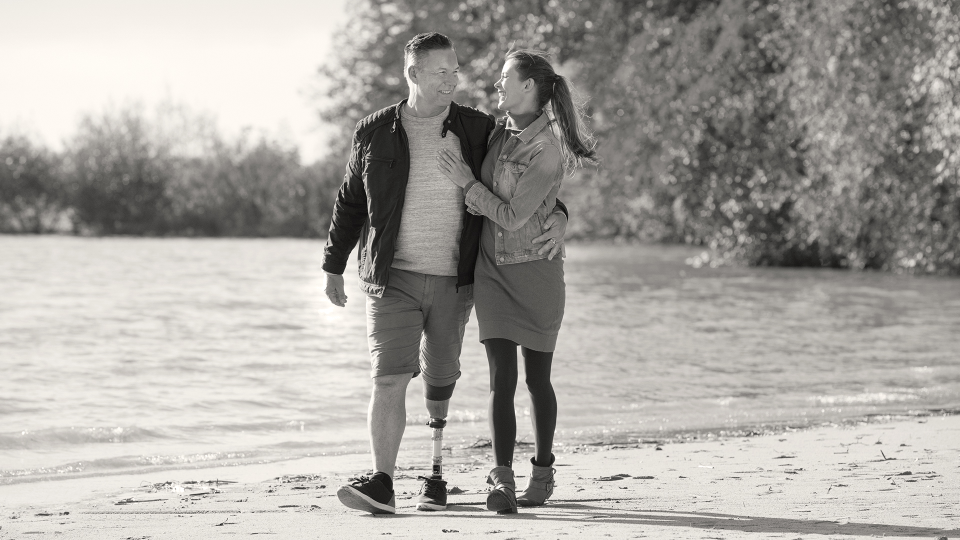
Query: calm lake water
[[125, 354]]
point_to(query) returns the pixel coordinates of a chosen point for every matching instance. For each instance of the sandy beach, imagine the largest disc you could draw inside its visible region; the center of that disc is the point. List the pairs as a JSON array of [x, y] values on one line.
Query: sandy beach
[[871, 479]]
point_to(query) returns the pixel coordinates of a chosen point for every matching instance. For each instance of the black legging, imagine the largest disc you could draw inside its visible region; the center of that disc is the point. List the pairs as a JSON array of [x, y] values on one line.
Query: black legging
[[502, 357]]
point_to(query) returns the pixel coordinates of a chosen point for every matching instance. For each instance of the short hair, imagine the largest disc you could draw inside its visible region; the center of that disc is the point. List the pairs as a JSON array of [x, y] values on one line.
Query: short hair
[[419, 45]]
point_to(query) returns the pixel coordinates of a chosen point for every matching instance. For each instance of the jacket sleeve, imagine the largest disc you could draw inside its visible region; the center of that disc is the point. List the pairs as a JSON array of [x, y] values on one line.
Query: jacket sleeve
[[533, 186], [560, 207], [349, 213]]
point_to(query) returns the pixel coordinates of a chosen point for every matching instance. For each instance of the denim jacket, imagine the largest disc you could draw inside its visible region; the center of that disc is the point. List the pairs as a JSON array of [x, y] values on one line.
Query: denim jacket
[[526, 179]]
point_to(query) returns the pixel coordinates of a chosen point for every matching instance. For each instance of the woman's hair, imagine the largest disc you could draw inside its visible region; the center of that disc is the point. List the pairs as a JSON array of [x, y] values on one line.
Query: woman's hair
[[578, 142]]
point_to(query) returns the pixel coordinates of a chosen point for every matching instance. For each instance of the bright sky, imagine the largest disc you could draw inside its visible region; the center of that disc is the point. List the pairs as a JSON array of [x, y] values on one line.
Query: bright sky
[[246, 62]]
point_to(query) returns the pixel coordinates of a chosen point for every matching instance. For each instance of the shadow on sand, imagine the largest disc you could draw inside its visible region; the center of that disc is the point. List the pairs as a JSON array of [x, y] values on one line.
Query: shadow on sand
[[581, 512]]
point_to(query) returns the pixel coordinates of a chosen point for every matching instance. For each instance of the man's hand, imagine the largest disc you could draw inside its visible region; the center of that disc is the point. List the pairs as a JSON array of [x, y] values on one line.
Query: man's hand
[[334, 289], [552, 238]]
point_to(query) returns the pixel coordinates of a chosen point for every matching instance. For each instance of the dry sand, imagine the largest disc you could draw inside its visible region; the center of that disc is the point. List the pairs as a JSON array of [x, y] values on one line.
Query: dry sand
[[895, 479]]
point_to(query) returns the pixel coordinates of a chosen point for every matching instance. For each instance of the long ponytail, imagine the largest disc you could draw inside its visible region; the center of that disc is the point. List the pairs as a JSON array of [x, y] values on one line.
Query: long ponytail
[[577, 139], [554, 90]]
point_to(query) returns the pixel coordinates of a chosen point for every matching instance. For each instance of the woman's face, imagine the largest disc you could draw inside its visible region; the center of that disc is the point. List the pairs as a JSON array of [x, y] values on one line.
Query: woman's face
[[515, 94]]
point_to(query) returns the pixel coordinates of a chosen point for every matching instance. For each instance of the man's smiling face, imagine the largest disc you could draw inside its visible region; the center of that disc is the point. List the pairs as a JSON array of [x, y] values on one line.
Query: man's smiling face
[[437, 77]]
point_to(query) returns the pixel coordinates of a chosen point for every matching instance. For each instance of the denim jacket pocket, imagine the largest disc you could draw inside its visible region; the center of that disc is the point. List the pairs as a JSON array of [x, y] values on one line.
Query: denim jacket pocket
[[518, 245], [509, 178], [516, 167]]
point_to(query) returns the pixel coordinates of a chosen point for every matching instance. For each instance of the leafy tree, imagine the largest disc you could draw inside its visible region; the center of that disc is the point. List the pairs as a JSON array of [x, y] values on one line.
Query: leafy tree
[[119, 174], [172, 173], [247, 188], [32, 197], [866, 91]]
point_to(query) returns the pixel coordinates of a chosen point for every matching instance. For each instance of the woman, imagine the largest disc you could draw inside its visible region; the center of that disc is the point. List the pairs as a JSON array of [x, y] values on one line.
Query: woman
[[519, 293]]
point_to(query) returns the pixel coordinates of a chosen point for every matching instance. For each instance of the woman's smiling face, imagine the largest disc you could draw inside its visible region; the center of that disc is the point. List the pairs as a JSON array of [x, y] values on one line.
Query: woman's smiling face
[[511, 90]]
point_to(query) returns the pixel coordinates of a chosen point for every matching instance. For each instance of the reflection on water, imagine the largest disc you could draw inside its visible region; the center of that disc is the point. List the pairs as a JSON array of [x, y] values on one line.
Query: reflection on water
[[126, 353]]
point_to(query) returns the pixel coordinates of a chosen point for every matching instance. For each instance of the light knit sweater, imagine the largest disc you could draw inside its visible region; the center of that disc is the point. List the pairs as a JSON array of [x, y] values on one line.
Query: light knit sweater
[[429, 237]]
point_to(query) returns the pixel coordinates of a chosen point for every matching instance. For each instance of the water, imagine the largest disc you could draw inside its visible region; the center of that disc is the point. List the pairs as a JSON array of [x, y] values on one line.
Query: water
[[126, 354]]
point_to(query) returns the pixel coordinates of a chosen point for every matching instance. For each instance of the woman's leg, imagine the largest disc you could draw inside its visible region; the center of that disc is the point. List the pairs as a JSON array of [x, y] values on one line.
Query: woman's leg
[[537, 366], [502, 357]]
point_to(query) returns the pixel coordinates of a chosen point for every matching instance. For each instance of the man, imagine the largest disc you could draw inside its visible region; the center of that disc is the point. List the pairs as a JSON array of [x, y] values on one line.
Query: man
[[418, 249]]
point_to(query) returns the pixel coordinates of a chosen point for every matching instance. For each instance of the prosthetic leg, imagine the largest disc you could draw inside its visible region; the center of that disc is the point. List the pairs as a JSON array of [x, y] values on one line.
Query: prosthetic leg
[[437, 424], [433, 493]]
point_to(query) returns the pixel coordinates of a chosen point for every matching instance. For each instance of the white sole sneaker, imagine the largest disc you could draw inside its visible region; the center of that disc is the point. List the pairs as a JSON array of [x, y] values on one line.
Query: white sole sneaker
[[431, 506], [352, 498]]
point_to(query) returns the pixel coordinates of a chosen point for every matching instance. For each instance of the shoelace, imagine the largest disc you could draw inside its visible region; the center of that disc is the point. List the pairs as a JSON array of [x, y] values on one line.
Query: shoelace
[[360, 480], [430, 488]]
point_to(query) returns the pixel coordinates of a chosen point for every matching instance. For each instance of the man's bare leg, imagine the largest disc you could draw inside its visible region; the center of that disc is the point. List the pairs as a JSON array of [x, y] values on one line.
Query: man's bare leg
[[387, 419]]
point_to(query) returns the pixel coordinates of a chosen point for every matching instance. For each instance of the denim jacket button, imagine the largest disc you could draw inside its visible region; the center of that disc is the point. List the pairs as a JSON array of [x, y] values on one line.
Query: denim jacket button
[[500, 234], [499, 259]]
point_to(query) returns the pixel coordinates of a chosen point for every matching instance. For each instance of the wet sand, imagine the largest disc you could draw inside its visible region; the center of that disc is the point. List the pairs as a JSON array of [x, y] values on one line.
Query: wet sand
[[889, 479]]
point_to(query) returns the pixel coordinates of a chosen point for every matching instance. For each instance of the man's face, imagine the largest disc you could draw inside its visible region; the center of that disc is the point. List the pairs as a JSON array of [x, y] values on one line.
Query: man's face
[[437, 77]]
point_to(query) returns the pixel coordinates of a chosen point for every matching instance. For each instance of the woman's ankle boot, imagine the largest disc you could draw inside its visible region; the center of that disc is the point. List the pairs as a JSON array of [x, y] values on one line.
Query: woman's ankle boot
[[539, 486], [502, 498]]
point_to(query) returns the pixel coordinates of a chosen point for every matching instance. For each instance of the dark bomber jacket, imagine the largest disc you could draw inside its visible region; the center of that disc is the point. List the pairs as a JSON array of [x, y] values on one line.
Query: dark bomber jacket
[[369, 205]]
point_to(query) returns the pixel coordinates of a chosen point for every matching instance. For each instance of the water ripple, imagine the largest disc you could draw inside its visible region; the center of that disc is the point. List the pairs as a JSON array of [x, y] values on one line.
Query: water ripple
[[200, 349]]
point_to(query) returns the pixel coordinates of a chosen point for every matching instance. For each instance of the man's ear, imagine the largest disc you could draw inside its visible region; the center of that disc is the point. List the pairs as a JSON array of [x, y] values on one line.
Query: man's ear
[[412, 73]]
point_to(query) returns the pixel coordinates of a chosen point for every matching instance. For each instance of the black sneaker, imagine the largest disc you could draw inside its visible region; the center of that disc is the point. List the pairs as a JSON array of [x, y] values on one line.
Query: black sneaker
[[433, 494], [368, 495]]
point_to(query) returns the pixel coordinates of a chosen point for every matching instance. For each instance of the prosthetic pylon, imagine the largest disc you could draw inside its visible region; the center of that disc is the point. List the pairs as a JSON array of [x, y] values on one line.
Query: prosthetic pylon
[[437, 424]]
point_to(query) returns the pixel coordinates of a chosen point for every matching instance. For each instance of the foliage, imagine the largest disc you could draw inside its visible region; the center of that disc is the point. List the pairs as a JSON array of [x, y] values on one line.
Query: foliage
[[32, 194], [119, 175], [171, 173], [773, 132], [251, 188], [878, 200], [821, 132]]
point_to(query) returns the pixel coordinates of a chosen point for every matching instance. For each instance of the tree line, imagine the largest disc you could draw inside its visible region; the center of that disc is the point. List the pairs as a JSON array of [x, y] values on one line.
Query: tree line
[[169, 173], [769, 132]]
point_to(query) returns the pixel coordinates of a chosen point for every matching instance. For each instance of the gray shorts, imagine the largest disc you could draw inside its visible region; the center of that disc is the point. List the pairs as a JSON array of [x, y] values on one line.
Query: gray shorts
[[417, 326]]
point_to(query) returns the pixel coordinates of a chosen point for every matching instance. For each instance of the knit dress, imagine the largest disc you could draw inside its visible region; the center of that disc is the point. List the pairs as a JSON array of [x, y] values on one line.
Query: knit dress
[[521, 302]]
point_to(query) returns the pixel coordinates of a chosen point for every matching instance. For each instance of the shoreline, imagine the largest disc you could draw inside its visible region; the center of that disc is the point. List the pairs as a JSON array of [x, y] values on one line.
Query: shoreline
[[891, 476], [421, 441]]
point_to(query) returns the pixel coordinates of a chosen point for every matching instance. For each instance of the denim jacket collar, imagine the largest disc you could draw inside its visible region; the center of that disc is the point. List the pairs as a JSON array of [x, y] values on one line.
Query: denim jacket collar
[[534, 128], [527, 134]]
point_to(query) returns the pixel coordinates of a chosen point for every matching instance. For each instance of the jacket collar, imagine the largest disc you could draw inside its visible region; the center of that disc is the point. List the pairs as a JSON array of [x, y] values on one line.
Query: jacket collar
[[398, 111], [533, 129]]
